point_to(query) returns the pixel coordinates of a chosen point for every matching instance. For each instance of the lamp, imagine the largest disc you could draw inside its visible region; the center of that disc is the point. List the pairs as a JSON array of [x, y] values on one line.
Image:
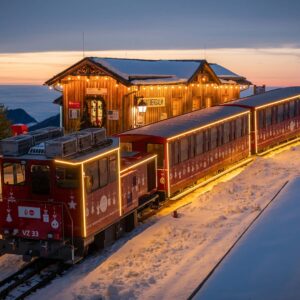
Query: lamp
[[142, 106]]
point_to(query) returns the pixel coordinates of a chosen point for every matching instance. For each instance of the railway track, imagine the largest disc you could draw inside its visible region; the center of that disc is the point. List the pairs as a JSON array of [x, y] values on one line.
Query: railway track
[[27, 280]]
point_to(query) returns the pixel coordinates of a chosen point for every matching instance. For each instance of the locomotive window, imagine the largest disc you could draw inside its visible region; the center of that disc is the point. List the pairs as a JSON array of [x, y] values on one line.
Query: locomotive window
[[92, 176], [14, 173], [112, 169], [184, 149], [67, 177], [199, 143], [103, 172], [159, 150], [40, 179]]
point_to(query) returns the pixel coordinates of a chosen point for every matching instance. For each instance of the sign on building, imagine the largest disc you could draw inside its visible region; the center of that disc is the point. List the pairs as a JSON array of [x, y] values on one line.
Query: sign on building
[[153, 101], [113, 115], [96, 91]]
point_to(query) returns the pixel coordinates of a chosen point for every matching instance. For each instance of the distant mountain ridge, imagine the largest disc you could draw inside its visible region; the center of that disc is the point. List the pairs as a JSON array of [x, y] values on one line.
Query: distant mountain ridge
[[20, 116]]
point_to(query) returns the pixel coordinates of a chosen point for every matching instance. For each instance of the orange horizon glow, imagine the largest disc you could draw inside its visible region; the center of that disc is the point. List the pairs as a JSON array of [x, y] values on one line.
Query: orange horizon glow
[[273, 67]]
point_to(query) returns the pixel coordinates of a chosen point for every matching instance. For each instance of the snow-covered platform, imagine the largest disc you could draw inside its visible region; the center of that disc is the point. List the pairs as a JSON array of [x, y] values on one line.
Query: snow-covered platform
[[265, 263]]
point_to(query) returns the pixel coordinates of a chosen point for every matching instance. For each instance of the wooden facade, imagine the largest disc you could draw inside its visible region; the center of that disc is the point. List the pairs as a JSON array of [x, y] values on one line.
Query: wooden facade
[[114, 104]]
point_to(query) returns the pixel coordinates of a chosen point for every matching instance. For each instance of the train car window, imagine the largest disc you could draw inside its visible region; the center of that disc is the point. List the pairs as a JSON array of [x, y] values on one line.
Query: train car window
[[112, 168], [67, 177], [298, 107], [274, 115], [226, 132], [280, 113], [175, 155], [159, 150], [287, 111], [126, 147], [206, 140], [261, 119], [292, 109], [246, 124], [213, 138], [199, 143], [40, 179], [91, 171], [192, 146], [268, 116], [184, 149], [151, 180], [14, 173], [238, 127], [220, 135], [103, 168]]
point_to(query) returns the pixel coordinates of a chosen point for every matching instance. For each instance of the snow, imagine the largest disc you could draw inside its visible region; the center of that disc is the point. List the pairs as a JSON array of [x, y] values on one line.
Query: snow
[[10, 264], [264, 263], [179, 70], [166, 258], [223, 72]]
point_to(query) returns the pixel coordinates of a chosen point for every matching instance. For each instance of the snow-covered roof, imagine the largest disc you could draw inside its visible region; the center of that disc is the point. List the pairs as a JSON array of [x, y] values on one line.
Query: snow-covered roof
[[226, 75], [180, 124], [264, 263], [148, 71], [143, 71], [268, 97]]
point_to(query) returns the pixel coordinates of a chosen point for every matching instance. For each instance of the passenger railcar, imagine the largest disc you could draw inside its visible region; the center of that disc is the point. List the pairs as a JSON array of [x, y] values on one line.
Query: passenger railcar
[[60, 196], [275, 117], [192, 146]]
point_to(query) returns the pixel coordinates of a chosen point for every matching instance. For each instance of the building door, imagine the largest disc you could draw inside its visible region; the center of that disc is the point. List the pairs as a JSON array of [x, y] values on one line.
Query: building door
[[94, 114]]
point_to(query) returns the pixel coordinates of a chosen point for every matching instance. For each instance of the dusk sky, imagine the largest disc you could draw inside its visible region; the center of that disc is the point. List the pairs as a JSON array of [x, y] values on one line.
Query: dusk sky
[[269, 32]]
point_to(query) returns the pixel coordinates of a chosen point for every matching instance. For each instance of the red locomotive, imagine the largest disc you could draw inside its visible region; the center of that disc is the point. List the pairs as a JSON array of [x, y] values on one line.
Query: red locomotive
[[61, 193]]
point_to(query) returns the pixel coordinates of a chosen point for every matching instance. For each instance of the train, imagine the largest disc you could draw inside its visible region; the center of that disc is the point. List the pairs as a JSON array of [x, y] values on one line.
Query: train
[[63, 193]]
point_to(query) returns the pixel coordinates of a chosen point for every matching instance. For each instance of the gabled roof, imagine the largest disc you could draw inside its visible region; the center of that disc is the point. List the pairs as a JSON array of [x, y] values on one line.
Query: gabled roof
[[177, 125], [226, 75], [141, 71], [268, 97]]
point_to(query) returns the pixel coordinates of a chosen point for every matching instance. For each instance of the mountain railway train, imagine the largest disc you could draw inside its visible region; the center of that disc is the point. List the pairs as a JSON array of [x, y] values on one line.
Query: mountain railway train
[[61, 193]]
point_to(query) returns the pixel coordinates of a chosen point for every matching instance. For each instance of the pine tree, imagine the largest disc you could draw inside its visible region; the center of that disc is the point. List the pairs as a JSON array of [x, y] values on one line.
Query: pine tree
[[5, 125]]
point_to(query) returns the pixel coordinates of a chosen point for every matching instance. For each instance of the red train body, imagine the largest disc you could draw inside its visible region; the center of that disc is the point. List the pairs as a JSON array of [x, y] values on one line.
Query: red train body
[[275, 117], [82, 189], [193, 146]]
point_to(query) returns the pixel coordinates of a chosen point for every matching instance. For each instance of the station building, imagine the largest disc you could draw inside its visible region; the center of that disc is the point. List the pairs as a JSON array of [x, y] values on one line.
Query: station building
[[120, 94]]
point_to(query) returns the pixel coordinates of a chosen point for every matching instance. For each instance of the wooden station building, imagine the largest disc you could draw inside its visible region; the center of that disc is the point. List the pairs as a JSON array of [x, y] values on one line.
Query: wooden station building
[[120, 94]]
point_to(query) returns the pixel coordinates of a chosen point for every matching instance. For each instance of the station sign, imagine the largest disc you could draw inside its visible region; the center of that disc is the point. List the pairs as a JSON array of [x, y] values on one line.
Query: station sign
[[153, 101]]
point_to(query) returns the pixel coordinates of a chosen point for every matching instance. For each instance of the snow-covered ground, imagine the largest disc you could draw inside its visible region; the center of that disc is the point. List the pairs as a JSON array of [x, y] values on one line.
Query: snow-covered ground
[[264, 264], [166, 258], [9, 264]]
